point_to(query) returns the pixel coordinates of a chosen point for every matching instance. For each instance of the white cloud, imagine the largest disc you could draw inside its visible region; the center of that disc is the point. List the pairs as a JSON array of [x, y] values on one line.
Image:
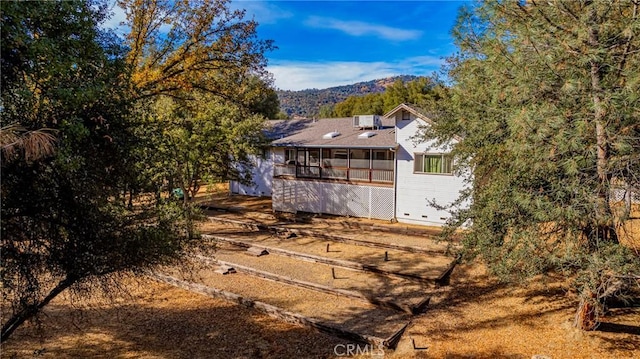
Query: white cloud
[[359, 28], [116, 20], [263, 12], [290, 75]]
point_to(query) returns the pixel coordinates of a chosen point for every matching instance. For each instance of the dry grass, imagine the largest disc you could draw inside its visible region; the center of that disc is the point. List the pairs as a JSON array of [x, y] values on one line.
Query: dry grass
[[477, 318], [629, 232], [153, 320], [484, 319]]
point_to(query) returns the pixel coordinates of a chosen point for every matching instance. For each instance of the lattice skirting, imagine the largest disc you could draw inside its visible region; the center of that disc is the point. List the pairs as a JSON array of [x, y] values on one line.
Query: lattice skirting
[[333, 198], [621, 194]]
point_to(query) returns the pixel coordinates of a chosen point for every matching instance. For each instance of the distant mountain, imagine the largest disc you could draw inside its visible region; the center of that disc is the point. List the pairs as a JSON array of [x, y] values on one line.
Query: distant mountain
[[307, 103]]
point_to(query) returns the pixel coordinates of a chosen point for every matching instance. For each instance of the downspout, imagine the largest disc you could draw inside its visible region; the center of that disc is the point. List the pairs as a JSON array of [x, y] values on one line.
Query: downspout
[[395, 183]]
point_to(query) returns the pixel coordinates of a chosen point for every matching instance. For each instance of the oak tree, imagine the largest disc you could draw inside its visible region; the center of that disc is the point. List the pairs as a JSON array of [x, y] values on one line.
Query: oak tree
[[67, 136]]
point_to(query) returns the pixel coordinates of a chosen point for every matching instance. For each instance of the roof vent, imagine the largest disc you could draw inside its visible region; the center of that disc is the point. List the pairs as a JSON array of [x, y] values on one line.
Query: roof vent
[[366, 134], [331, 135]]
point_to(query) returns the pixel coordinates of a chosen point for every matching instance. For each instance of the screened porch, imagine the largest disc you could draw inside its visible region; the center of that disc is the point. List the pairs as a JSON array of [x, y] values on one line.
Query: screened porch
[[346, 164]]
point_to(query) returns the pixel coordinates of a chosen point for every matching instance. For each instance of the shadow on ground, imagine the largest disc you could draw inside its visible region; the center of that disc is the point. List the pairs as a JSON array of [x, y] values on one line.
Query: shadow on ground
[[161, 326]]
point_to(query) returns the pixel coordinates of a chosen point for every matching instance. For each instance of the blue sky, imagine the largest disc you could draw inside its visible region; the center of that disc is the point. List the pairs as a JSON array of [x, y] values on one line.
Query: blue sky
[[330, 43]]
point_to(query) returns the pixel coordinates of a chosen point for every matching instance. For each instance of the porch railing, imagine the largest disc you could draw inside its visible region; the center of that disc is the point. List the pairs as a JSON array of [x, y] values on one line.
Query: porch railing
[[334, 173]]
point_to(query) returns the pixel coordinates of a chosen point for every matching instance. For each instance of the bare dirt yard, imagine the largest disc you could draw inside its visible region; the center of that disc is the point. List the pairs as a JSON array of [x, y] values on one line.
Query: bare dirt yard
[[474, 317]]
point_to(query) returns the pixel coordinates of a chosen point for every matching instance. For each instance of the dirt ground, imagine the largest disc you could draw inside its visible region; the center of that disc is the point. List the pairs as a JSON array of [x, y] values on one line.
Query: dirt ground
[[479, 318]]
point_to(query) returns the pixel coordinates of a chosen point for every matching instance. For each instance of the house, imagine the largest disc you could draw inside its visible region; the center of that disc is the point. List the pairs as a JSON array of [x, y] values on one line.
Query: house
[[364, 166]]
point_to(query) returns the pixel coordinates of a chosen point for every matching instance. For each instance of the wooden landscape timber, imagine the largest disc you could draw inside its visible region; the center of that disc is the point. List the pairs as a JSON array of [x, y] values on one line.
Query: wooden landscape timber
[[391, 342], [224, 269], [257, 251], [335, 262], [396, 228], [278, 230], [410, 309]]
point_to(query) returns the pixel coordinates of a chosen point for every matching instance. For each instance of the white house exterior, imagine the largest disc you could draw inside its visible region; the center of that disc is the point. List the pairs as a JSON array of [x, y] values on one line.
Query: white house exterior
[[262, 175], [416, 187], [365, 166]]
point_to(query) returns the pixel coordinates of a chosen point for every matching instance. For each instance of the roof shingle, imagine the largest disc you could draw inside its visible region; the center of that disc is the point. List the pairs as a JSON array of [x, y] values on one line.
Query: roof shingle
[[309, 133]]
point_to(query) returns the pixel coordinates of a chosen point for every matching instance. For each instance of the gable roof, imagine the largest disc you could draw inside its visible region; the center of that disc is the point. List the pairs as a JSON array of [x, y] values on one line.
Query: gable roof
[[419, 113], [415, 110], [310, 133]]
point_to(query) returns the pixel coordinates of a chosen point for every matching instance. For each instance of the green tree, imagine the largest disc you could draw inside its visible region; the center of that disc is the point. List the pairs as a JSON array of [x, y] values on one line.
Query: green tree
[[325, 111], [191, 62], [207, 141], [66, 135], [395, 94], [258, 97], [545, 95], [423, 92]]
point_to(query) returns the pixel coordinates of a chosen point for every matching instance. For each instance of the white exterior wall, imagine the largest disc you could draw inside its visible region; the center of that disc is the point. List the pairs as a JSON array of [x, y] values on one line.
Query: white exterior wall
[[415, 190], [262, 175], [332, 198]]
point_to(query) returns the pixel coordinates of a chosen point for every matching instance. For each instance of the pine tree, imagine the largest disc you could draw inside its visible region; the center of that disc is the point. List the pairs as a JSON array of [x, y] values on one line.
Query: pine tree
[[546, 98]]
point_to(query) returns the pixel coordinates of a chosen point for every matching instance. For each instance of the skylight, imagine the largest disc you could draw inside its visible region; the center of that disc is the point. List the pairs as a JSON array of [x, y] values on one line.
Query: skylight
[[366, 134], [331, 135]]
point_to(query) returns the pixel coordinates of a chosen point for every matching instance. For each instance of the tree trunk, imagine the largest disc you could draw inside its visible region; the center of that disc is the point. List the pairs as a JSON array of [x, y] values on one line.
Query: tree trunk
[[29, 311], [605, 227], [587, 314]]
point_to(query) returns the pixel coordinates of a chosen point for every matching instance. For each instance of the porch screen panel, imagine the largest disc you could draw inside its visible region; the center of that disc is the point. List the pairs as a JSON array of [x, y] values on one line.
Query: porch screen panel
[[359, 159], [382, 160]]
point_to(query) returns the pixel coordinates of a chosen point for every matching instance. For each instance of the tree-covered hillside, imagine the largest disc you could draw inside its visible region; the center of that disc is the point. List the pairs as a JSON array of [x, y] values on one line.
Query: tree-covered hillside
[[309, 102]]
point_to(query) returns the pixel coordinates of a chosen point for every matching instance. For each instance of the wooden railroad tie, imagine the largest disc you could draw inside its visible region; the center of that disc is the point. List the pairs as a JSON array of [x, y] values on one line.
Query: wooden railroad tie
[[224, 270], [285, 234], [257, 251], [282, 314], [421, 307]]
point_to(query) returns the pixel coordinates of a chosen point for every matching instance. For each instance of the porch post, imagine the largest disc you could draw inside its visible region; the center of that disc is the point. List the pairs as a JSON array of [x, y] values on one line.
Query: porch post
[[348, 163], [370, 165]]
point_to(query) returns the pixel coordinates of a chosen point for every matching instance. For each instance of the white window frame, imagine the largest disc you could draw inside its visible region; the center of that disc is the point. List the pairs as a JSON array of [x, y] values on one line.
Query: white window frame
[[419, 160]]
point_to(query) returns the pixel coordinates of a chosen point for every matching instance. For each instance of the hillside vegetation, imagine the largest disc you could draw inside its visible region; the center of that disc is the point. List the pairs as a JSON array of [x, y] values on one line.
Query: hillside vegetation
[[311, 102]]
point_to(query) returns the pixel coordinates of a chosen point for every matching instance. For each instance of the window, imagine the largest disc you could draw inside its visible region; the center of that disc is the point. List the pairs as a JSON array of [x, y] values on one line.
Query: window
[[406, 116], [290, 156], [433, 163]]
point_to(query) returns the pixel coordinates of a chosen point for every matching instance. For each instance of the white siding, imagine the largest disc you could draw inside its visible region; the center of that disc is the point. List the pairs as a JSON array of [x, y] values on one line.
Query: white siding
[[415, 190], [332, 198], [262, 177]]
